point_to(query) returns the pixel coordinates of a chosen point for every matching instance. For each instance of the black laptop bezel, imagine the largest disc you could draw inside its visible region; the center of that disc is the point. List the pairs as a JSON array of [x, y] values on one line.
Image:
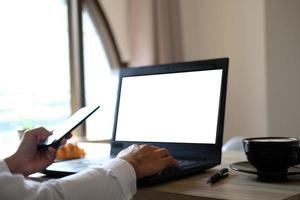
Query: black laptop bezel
[[209, 152]]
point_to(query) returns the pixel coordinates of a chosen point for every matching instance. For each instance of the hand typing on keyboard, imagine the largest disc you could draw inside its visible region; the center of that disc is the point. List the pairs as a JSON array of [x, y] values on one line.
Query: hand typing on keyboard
[[147, 159]]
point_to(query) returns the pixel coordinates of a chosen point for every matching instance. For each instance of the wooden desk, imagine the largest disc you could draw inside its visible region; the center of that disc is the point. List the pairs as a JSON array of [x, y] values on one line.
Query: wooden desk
[[239, 186]]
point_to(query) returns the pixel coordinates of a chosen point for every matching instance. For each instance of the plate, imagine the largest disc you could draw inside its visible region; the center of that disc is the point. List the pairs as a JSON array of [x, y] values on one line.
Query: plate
[[246, 167]]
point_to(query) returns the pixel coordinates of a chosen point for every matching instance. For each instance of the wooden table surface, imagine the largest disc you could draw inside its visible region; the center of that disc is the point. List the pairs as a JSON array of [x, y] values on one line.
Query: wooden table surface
[[237, 185]]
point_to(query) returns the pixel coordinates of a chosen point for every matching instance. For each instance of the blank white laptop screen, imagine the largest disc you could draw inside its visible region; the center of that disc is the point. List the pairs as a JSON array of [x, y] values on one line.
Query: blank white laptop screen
[[177, 107]]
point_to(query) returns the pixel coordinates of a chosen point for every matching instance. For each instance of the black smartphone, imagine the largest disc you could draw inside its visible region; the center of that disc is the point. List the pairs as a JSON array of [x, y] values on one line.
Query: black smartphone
[[64, 130]]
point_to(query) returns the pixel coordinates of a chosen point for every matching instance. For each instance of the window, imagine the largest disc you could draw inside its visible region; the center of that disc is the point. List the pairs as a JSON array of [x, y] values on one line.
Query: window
[[100, 81], [38, 72], [34, 64]]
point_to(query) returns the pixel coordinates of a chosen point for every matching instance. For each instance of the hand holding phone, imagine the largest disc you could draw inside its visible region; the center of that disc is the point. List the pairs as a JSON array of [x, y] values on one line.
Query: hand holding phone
[[65, 130]]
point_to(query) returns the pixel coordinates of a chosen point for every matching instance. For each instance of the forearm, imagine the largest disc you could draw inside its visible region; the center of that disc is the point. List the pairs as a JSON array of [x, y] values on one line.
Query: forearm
[[16, 186], [114, 181]]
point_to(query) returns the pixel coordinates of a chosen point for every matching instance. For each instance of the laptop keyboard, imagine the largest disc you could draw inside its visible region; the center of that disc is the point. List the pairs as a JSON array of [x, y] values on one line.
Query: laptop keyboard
[[185, 163], [186, 167]]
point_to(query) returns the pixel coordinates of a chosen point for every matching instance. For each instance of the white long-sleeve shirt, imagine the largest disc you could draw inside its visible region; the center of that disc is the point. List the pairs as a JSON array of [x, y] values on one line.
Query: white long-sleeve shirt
[[116, 179]]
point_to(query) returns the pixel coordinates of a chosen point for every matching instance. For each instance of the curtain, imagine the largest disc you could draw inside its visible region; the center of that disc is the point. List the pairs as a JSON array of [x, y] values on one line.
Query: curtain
[[154, 32], [103, 27]]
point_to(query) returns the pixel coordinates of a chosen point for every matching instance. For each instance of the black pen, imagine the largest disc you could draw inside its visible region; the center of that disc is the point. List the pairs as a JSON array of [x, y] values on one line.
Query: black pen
[[219, 175]]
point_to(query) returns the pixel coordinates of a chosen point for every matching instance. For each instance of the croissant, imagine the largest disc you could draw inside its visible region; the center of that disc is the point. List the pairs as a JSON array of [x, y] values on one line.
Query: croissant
[[69, 151]]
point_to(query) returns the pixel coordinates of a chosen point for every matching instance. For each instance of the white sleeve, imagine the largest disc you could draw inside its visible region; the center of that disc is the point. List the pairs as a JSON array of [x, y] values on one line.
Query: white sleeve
[[116, 179]]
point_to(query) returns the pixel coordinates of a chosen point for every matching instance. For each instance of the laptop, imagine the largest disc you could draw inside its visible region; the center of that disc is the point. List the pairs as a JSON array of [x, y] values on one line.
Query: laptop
[[178, 106]]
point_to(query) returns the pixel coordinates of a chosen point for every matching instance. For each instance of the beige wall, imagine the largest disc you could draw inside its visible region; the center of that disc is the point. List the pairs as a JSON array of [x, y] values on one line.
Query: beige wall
[[261, 38], [283, 66], [234, 29]]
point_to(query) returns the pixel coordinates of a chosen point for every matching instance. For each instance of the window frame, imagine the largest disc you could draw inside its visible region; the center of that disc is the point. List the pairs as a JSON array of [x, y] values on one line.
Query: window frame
[[96, 12], [76, 60]]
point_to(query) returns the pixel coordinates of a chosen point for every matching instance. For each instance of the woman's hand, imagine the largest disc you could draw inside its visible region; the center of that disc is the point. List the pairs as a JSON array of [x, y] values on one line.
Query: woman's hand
[[29, 158]]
